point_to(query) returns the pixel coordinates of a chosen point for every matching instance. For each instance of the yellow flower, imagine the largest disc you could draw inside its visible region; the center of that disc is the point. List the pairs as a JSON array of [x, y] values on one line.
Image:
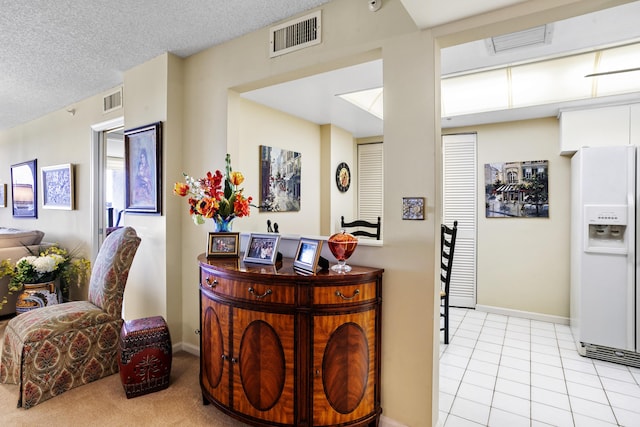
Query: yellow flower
[[237, 178]]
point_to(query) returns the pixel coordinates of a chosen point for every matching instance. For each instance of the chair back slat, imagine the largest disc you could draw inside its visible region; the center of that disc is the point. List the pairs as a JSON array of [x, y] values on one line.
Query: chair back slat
[[361, 223], [447, 247]]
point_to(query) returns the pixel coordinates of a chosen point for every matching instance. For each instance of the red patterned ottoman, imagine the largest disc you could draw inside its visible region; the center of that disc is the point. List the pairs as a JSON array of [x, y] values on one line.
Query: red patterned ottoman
[[145, 356]]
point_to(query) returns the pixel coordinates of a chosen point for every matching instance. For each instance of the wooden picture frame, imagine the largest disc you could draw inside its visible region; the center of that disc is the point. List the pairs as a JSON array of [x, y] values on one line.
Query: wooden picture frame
[[24, 189], [3, 195], [262, 248], [58, 187], [223, 244], [143, 169], [307, 255], [413, 208]]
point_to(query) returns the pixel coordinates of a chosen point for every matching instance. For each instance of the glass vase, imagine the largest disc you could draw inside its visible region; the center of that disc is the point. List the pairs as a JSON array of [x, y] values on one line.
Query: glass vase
[[222, 224], [342, 245]]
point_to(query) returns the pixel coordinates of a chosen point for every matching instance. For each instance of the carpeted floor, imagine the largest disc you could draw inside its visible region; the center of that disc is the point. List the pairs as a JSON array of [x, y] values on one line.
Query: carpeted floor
[[103, 403]]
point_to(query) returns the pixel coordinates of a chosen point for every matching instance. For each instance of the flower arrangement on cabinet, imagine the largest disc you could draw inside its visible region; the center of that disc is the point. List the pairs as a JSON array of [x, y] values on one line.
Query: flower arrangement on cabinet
[[217, 196], [50, 264]]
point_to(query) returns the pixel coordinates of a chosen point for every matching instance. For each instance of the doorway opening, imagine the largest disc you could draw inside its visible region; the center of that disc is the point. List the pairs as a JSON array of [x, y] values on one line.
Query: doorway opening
[[107, 179]]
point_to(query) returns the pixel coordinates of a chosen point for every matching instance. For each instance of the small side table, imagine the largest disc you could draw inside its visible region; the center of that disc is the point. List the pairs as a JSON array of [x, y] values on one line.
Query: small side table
[[145, 356]]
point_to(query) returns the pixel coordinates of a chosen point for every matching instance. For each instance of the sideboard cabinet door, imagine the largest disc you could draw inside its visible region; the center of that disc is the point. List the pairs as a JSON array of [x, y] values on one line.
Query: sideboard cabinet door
[[263, 365], [344, 367], [214, 365]]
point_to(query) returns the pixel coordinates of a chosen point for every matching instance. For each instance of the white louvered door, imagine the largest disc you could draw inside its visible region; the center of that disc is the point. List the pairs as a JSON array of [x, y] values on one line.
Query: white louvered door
[[370, 181], [460, 189]]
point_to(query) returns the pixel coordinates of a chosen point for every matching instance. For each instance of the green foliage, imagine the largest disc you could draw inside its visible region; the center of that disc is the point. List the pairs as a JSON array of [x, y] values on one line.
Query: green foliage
[[48, 265]]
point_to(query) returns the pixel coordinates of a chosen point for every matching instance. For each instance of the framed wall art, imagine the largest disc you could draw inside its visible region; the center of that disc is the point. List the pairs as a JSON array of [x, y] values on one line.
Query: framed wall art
[[223, 244], [517, 189], [413, 208], [280, 173], [143, 162], [57, 187], [262, 248], [3, 195], [307, 255], [24, 189]]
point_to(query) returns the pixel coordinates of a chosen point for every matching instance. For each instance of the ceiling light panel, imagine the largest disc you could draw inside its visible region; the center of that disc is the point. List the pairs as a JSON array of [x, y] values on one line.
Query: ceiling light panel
[[370, 100], [620, 58], [551, 81], [487, 91]]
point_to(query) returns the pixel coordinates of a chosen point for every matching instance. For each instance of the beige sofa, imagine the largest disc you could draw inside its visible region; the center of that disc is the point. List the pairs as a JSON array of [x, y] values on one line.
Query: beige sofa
[[15, 244]]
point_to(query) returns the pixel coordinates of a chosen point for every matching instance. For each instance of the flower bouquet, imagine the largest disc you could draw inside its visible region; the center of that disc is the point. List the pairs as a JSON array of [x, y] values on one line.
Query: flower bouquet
[[51, 264], [215, 196]]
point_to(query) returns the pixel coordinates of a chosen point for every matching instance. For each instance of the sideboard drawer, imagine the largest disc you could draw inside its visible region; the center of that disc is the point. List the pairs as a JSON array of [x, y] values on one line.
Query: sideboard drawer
[[258, 292], [343, 294]]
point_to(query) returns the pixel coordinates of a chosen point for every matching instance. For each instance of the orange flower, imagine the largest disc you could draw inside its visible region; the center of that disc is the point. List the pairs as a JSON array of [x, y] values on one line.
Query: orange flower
[[181, 189]]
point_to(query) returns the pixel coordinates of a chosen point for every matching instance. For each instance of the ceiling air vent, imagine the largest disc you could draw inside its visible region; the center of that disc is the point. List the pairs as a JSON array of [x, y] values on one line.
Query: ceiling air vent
[[526, 38], [295, 34], [113, 101]]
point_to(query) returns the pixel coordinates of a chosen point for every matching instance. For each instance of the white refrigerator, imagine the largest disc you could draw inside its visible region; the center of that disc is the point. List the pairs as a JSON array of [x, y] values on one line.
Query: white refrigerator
[[604, 269]]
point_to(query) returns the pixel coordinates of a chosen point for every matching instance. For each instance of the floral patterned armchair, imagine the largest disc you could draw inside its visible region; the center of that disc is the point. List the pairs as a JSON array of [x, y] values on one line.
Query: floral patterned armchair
[[50, 350]]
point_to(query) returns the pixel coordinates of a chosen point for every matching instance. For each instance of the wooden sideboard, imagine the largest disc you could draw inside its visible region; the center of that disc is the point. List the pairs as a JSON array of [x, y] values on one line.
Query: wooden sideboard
[[286, 349]]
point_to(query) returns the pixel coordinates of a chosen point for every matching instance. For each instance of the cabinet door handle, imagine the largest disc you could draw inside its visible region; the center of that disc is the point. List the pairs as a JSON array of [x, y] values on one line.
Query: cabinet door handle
[[210, 283], [341, 295], [253, 292], [225, 357], [234, 360]]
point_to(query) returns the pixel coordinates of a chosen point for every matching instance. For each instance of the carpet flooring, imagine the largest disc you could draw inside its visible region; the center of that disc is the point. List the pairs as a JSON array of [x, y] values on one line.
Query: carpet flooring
[[104, 403]]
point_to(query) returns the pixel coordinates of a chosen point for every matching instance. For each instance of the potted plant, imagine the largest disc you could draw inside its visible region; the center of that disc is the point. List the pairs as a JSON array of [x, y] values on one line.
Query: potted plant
[[53, 268]]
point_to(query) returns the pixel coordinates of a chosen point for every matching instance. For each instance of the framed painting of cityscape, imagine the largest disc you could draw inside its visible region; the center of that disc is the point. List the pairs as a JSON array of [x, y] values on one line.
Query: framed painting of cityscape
[[517, 189], [57, 187], [280, 172]]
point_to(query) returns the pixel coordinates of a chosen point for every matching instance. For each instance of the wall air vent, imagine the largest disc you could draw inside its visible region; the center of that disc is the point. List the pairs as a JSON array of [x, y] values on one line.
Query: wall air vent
[[520, 39], [295, 34], [112, 101]]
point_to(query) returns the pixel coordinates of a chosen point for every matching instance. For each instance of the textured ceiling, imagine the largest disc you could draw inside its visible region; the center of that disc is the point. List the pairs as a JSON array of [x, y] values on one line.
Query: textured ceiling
[[55, 53]]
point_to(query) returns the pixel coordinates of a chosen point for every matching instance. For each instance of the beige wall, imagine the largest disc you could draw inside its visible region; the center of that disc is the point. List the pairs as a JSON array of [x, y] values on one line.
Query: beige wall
[[259, 125], [523, 263], [192, 97], [351, 35]]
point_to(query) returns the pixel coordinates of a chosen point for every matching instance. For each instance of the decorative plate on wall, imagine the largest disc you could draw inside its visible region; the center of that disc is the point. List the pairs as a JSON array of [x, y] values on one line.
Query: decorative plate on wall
[[343, 177]]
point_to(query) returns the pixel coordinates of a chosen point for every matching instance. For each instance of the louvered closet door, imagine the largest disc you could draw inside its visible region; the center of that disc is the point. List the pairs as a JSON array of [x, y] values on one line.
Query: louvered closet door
[[370, 181], [460, 189]]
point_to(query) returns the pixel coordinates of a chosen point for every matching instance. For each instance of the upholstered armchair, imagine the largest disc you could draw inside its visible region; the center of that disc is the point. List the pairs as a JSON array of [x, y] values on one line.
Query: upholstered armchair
[[52, 349]]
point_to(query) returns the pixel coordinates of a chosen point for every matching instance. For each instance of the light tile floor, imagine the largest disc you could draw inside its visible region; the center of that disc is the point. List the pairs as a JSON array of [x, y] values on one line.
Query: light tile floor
[[507, 371]]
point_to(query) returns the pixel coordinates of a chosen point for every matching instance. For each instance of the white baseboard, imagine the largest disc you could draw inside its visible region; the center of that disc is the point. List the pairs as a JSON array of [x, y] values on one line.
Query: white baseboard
[[523, 314], [388, 422], [189, 348]]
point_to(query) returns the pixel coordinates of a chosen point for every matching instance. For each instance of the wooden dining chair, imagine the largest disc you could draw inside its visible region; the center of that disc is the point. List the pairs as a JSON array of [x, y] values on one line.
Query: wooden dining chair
[[375, 226], [447, 246]]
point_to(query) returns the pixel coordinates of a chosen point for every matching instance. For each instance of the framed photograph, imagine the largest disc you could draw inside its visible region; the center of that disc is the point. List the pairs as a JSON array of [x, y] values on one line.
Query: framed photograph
[[262, 248], [24, 189], [307, 255], [143, 161], [223, 244], [3, 195], [413, 207], [57, 187]]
